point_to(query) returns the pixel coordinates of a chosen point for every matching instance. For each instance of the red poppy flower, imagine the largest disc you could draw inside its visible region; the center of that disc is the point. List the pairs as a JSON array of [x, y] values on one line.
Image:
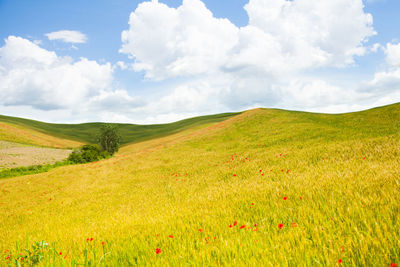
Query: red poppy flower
[[252, 204], [280, 226], [294, 224], [91, 239], [393, 265], [260, 170], [235, 223], [301, 198], [171, 236], [230, 226], [284, 198], [200, 230], [102, 243], [243, 226], [234, 175], [363, 158], [158, 250], [340, 261], [60, 253], [287, 171]]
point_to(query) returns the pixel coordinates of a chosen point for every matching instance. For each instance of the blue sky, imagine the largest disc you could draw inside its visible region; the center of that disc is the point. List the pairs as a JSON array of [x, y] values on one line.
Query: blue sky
[[208, 65]]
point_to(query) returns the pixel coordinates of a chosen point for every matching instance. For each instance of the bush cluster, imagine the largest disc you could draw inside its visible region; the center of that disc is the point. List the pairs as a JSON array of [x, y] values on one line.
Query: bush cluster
[[87, 153]]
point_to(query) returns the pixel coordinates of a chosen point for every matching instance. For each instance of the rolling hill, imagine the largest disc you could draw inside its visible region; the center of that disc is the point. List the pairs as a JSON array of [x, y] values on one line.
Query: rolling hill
[[264, 188], [24, 135], [87, 132]]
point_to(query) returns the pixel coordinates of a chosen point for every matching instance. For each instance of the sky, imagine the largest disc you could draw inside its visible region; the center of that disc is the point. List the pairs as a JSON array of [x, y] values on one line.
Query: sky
[[148, 62]]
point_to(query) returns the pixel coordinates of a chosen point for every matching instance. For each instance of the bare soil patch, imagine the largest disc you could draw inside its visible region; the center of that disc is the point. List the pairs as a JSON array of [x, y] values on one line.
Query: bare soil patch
[[17, 155]]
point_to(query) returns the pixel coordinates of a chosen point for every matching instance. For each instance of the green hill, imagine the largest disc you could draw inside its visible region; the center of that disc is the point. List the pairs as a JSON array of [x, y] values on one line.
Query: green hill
[[87, 132]]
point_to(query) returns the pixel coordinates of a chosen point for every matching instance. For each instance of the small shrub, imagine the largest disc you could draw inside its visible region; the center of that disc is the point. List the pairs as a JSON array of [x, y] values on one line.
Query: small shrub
[[87, 153], [76, 156]]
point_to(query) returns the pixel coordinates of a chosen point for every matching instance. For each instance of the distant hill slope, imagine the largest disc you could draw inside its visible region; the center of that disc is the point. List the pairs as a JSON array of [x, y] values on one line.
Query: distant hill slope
[[87, 132], [275, 127], [375, 122], [23, 135]]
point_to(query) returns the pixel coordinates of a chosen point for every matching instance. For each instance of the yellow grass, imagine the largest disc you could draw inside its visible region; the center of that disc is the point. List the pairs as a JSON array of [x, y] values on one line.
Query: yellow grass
[[342, 186], [18, 134]]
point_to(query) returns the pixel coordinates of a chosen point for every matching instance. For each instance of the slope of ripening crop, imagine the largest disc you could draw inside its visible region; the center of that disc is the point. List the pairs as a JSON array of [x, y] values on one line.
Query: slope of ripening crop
[[265, 188]]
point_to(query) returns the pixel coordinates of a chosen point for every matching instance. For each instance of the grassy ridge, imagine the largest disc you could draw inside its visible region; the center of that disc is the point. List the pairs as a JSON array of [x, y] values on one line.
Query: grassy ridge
[[265, 188], [87, 132], [24, 135]]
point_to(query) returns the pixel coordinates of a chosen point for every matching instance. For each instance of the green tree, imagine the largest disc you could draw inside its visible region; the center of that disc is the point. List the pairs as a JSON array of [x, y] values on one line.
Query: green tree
[[109, 139]]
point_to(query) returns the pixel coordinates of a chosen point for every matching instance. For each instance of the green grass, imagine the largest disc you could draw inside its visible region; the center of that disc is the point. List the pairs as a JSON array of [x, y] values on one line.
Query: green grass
[[35, 169], [332, 181], [131, 133]]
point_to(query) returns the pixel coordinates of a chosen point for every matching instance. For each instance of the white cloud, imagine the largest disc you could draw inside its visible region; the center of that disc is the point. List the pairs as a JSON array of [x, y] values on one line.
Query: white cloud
[[30, 75], [384, 82], [314, 33], [122, 65], [316, 94], [260, 64], [118, 101], [183, 101], [281, 36], [384, 87], [67, 36], [392, 52], [375, 47], [168, 42]]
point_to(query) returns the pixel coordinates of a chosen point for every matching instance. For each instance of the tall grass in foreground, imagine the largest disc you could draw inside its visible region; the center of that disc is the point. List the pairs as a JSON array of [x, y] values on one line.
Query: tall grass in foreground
[[267, 188]]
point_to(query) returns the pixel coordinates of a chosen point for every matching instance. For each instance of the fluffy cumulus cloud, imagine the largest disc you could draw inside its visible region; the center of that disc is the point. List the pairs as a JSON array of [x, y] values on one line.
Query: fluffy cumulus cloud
[[67, 36], [34, 76], [168, 42], [260, 64], [281, 36], [38, 79], [313, 33]]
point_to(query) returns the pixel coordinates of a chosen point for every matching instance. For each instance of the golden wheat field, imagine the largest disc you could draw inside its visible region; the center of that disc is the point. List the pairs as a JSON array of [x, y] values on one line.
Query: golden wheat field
[[265, 188]]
